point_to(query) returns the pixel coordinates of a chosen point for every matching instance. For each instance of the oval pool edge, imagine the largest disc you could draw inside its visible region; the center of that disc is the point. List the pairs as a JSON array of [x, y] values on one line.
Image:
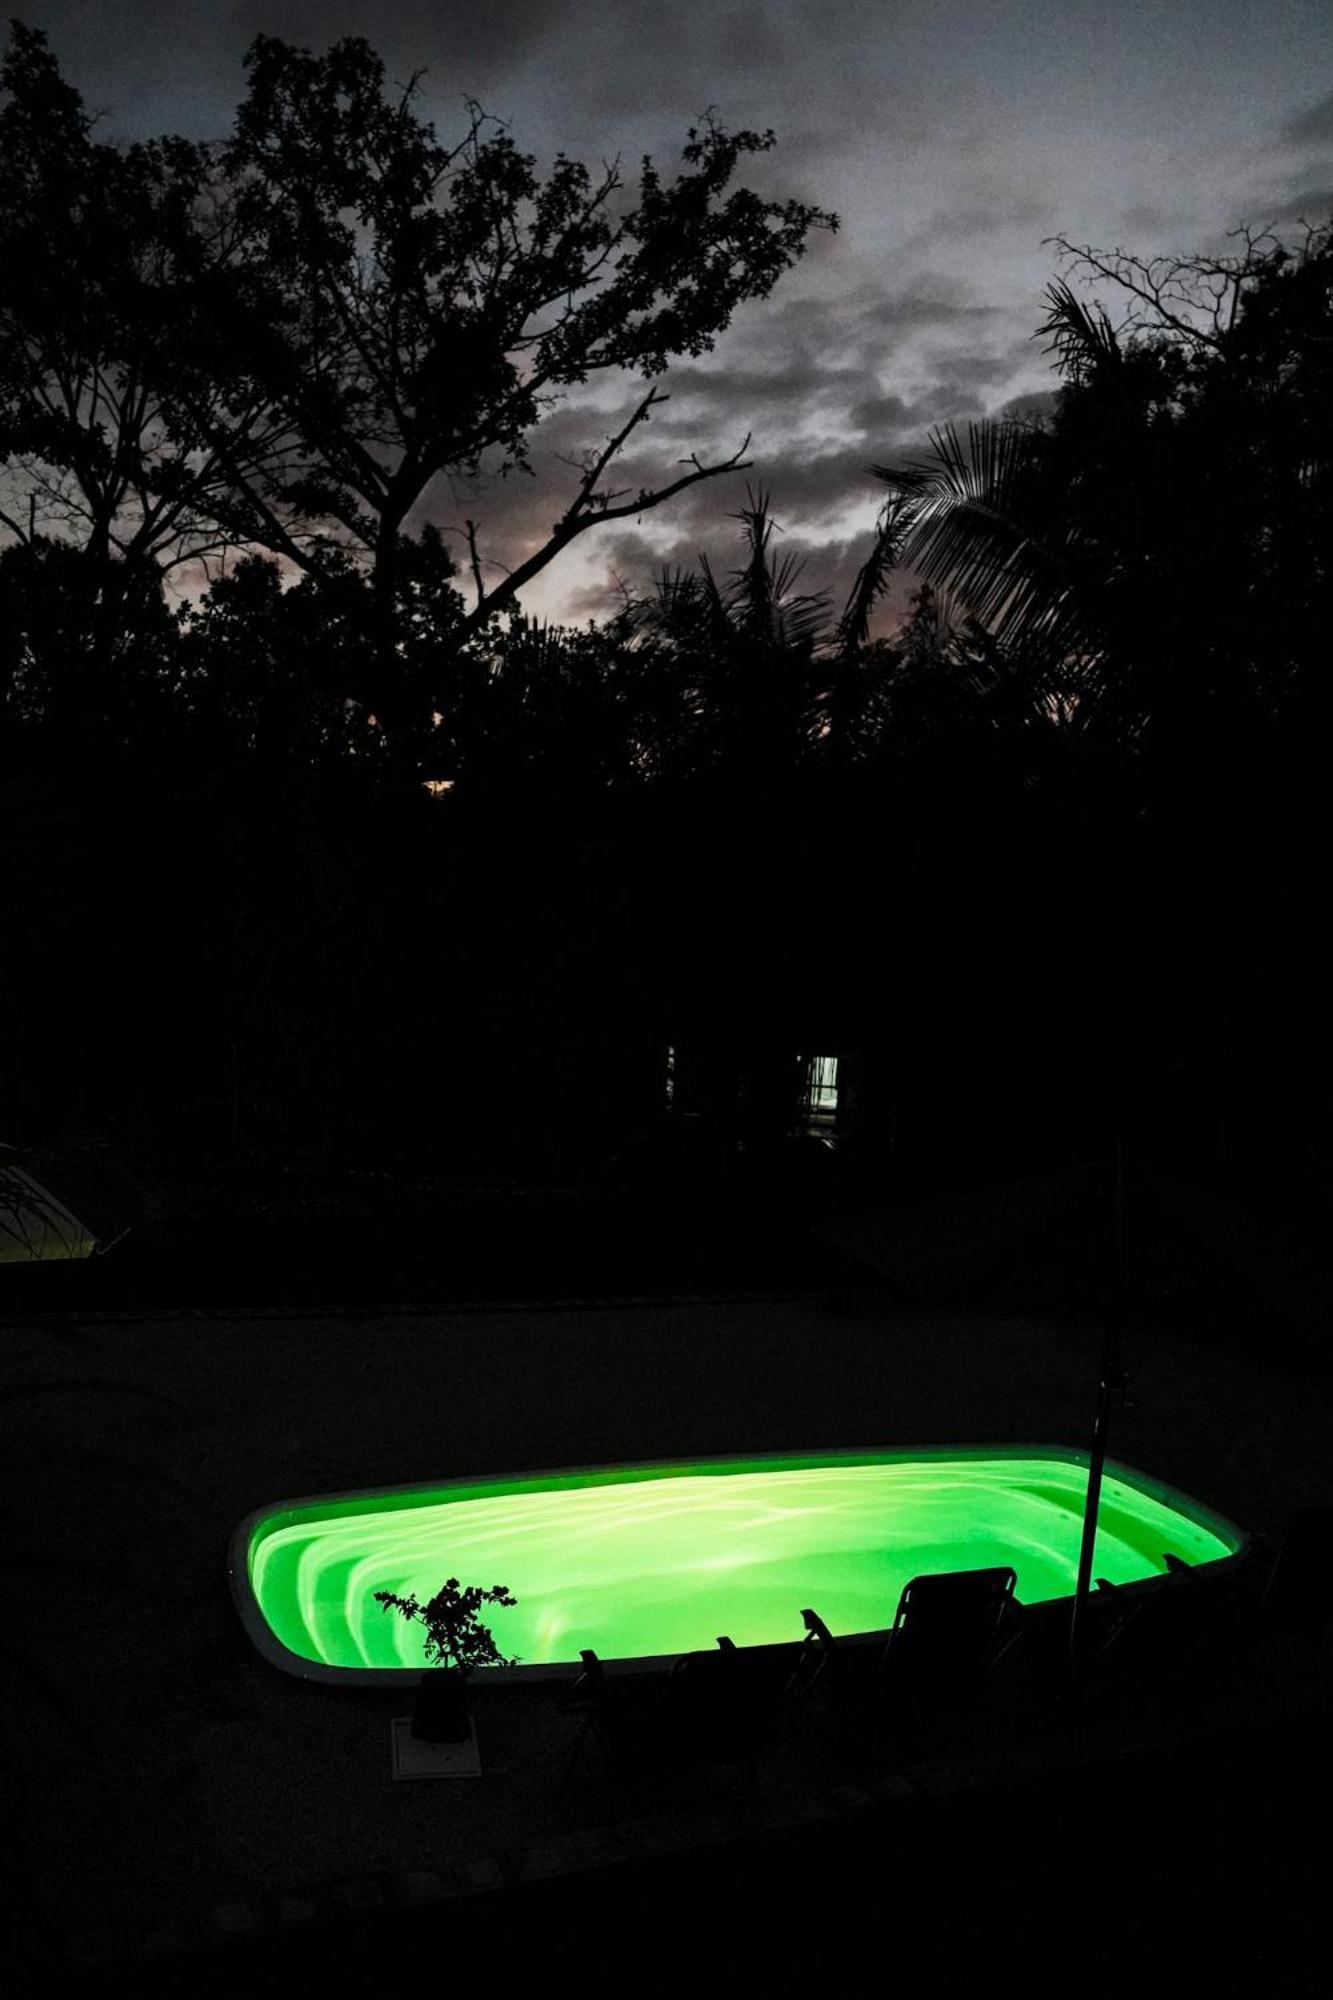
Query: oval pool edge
[[271, 1648]]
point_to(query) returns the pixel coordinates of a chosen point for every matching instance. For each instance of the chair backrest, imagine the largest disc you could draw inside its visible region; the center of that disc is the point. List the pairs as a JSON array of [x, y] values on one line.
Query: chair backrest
[[726, 1704], [707, 1695], [1163, 1625], [585, 1694], [766, 1672], [946, 1631]]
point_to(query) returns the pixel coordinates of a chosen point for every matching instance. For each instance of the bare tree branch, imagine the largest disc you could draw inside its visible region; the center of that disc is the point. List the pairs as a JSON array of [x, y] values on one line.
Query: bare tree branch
[[585, 512], [470, 529], [1195, 298]]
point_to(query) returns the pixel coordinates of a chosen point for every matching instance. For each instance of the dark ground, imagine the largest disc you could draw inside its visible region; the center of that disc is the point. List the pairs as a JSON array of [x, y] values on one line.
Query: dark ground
[[168, 1777]]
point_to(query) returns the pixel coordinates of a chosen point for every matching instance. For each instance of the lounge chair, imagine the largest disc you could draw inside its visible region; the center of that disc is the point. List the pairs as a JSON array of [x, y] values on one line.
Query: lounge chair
[[1211, 1617], [948, 1634], [1178, 1623], [709, 1710]]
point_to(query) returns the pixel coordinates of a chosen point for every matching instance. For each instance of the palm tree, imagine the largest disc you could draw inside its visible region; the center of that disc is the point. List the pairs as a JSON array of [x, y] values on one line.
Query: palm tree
[[1122, 552], [1027, 631], [746, 650]]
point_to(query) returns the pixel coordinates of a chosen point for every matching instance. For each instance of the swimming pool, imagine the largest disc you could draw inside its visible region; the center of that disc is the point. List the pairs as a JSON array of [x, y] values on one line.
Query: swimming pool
[[648, 1561]]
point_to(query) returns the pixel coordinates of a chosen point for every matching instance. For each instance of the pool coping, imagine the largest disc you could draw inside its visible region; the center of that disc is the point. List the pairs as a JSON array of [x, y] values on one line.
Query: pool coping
[[272, 1649]]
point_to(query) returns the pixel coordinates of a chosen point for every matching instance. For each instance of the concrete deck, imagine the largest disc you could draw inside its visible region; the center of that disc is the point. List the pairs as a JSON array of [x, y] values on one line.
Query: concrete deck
[[177, 1793]]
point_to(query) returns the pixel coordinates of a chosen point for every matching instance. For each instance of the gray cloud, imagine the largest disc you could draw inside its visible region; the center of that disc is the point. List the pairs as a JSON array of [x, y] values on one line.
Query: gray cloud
[[1038, 403], [820, 362], [1150, 219], [1314, 205], [884, 414], [949, 138], [1289, 180], [827, 386], [983, 217], [508, 28], [829, 568], [1311, 127], [179, 65], [866, 313]]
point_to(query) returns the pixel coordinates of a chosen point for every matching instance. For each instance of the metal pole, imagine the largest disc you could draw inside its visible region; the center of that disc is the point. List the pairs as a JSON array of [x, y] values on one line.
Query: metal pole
[[1112, 1385]]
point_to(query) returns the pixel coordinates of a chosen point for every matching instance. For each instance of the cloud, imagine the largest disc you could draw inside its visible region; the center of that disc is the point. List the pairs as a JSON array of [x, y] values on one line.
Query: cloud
[[812, 492], [829, 567], [419, 28], [1313, 205], [1038, 403], [1289, 178], [1151, 219], [883, 414], [947, 144], [796, 391], [1311, 127], [826, 385], [179, 65], [816, 364], [987, 213]]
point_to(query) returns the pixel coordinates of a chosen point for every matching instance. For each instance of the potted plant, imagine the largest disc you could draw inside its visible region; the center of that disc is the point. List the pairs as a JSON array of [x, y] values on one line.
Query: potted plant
[[456, 1642]]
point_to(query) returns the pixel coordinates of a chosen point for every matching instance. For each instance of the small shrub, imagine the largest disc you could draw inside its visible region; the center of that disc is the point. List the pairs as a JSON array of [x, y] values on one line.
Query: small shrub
[[455, 1635]]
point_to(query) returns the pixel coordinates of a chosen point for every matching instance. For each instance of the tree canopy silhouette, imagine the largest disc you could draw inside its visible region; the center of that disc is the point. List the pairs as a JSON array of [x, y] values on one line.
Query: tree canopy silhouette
[[286, 341], [1160, 548], [730, 818]]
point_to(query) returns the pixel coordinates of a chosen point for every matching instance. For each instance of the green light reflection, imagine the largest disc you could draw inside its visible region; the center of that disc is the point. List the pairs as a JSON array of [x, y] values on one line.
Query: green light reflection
[[659, 1560]]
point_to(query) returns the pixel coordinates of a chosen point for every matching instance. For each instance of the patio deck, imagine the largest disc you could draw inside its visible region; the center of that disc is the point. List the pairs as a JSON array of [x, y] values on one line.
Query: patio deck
[[202, 1800]]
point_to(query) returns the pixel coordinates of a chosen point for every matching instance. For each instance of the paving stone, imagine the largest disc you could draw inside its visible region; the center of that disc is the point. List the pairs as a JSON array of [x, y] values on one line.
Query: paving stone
[[446, 1866], [485, 1871], [102, 1945], [360, 1893], [806, 1811], [538, 1864], [717, 1826], [592, 1848], [167, 1932], [237, 1920], [296, 1912], [634, 1840], [893, 1790], [848, 1798], [422, 1885]]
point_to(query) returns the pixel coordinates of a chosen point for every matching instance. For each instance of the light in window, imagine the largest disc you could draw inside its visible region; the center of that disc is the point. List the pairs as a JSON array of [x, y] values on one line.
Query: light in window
[[821, 1089]]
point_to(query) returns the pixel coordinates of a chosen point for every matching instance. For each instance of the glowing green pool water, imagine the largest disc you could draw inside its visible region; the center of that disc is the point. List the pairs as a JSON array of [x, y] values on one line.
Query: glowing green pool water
[[654, 1560]]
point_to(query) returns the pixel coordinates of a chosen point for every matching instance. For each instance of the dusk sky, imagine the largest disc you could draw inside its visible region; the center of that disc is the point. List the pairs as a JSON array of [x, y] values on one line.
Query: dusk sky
[[951, 136]]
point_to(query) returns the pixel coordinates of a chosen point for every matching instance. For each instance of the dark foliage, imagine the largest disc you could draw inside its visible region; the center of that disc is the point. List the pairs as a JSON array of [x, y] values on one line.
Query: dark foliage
[[345, 865], [455, 1635]]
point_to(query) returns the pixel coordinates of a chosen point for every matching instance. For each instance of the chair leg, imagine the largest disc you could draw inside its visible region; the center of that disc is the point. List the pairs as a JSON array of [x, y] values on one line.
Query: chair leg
[[571, 1762]]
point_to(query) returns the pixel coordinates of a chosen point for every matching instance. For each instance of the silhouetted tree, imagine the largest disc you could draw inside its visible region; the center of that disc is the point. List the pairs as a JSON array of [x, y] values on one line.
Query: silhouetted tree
[[400, 309], [66, 698], [293, 337], [1148, 545], [744, 651], [91, 241], [1153, 564]]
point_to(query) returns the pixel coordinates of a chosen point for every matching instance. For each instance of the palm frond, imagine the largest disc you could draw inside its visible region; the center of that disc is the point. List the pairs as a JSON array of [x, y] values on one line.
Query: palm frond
[[891, 530], [671, 609], [714, 604], [754, 586], [977, 530], [803, 622], [535, 650], [1081, 337]]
